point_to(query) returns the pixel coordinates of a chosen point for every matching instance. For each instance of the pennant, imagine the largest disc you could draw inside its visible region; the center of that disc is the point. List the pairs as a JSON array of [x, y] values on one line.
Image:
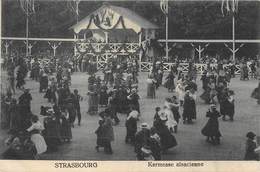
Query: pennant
[[27, 6], [164, 6], [230, 6]]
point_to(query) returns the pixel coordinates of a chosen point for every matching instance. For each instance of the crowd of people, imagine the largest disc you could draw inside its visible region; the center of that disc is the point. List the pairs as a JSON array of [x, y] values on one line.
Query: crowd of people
[[116, 92]]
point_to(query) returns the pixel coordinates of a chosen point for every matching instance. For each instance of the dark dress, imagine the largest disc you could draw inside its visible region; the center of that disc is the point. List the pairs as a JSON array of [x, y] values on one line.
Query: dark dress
[[141, 139], [52, 133], [134, 101], [167, 139], [103, 96], [169, 84], [101, 141], [211, 129], [250, 150], [65, 129], [155, 146], [189, 108], [131, 128]]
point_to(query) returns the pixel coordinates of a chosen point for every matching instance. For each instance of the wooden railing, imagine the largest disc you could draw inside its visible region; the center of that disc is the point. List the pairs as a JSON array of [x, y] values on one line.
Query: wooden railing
[[146, 66]]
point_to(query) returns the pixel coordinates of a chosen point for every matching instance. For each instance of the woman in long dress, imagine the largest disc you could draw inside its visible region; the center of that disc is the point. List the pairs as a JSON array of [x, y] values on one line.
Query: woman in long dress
[[93, 100], [180, 90], [168, 140], [229, 106], [151, 86], [211, 129], [169, 84], [35, 129], [189, 108], [171, 123], [66, 134]]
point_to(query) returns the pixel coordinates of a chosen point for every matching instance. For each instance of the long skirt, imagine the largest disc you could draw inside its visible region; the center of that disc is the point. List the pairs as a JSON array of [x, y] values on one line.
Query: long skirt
[[66, 129], [93, 103], [103, 100], [39, 143], [150, 91], [211, 129]]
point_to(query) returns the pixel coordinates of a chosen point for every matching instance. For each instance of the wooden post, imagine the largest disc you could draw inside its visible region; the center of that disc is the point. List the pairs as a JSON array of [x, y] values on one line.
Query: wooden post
[[233, 35], [75, 49], [140, 53]]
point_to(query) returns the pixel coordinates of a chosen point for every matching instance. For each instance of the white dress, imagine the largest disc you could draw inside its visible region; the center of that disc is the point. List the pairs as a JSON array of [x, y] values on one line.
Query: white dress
[[37, 138], [180, 90], [170, 123]]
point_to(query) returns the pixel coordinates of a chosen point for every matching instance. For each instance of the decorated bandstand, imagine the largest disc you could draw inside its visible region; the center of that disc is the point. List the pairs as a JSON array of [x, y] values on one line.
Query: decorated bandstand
[[113, 32]]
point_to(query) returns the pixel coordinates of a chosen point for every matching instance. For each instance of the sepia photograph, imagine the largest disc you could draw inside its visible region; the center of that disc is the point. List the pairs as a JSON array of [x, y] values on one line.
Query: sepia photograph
[[128, 80]]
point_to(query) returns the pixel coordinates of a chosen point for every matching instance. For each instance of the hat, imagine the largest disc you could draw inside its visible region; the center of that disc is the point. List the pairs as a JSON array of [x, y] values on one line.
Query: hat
[[163, 116], [50, 111], [146, 150], [250, 135], [212, 105], [144, 125]]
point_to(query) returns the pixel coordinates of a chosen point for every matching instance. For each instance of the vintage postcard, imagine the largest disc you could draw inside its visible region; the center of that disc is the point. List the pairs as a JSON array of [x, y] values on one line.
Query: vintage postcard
[[128, 85]]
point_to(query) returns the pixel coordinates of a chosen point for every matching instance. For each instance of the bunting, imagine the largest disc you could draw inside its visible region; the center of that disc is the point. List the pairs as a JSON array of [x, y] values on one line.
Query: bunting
[[164, 6]]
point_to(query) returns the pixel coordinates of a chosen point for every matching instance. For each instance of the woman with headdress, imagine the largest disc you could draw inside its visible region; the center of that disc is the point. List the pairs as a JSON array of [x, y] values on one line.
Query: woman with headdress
[[251, 146], [189, 108], [151, 86], [166, 137], [211, 129], [131, 126], [35, 129], [52, 132], [155, 144]]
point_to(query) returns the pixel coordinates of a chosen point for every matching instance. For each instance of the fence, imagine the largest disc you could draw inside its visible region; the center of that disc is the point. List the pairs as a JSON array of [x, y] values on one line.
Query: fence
[[146, 66]]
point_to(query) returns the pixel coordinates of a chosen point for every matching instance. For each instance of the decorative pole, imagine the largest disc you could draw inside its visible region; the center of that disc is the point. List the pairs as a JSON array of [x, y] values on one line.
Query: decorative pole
[[233, 31], [28, 8], [166, 32], [233, 9], [27, 29], [165, 8]]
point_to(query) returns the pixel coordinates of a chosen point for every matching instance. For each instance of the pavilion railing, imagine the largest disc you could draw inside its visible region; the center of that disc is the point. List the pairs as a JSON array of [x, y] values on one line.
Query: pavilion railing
[[146, 66]]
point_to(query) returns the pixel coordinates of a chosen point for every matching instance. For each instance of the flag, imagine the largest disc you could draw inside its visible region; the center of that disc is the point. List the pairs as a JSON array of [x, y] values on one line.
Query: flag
[[73, 6], [164, 6], [229, 6], [27, 6]]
